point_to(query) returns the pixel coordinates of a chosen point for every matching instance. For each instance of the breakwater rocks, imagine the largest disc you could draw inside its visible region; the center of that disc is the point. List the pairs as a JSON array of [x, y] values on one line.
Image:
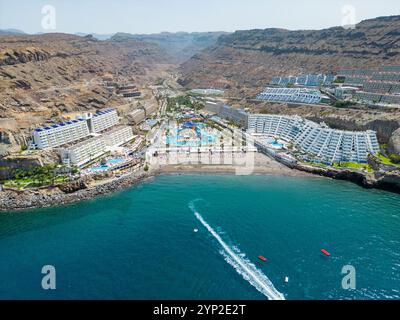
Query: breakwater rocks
[[12, 200]]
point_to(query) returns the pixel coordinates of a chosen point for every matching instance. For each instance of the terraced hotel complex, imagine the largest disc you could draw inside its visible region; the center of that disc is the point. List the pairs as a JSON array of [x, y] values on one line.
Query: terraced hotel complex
[[378, 86], [329, 145], [85, 138], [298, 95]]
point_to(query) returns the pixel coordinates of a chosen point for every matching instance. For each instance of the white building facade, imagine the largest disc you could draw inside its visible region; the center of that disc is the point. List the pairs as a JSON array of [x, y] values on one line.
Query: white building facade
[[59, 134], [318, 140], [93, 148], [103, 120], [56, 135], [83, 152], [297, 95]]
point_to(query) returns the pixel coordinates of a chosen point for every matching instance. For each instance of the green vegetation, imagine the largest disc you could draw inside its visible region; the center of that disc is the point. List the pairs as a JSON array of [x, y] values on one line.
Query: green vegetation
[[391, 160], [233, 124], [185, 101], [159, 82], [35, 176], [354, 165], [395, 158], [343, 165], [342, 104], [315, 164], [339, 80]]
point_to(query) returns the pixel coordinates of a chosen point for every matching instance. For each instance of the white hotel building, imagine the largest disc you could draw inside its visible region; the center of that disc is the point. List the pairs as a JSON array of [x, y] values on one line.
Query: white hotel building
[[102, 120], [296, 95], [84, 139], [90, 149], [66, 132], [62, 133], [321, 142], [84, 151]]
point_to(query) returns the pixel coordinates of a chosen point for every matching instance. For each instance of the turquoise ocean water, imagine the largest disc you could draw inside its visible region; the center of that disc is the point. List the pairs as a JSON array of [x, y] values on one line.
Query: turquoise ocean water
[[141, 244]]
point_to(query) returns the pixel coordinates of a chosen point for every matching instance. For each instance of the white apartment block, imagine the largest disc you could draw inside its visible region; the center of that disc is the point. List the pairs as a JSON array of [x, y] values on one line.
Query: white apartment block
[[298, 95], [328, 145], [118, 136], [103, 120], [62, 133], [84, 152], [67, 132], [93, 148]]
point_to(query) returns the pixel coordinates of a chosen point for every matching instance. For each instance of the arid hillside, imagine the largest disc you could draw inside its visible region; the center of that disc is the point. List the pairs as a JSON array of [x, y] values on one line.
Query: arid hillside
[[45, 76], [179, 46], [249, 59]]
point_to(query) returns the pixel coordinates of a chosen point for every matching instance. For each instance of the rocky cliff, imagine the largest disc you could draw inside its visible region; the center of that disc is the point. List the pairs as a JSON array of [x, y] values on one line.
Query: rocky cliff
[[43, 77], [250, 58], [179, 46]]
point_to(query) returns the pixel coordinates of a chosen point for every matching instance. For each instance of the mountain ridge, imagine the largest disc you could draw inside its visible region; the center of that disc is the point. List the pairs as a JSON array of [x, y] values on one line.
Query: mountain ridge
[[250, 58]]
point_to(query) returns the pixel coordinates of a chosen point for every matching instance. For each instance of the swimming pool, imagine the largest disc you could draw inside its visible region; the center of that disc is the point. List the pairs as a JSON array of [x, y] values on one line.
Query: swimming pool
[[274, 143], [206, 139], [99, 168], [191, 134], [109, 163], [113, 162]]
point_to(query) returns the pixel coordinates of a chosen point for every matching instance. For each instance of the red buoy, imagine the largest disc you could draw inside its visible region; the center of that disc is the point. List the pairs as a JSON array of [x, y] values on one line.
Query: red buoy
[[262, 258], [325, 252]]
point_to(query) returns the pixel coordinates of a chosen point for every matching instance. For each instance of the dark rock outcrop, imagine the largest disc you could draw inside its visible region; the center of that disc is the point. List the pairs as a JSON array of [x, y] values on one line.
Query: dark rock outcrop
[[11, 200], [394, 142], [73, 187]]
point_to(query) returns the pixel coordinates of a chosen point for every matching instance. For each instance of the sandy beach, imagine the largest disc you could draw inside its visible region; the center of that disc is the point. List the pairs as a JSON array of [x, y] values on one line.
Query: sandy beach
[[262, 165]]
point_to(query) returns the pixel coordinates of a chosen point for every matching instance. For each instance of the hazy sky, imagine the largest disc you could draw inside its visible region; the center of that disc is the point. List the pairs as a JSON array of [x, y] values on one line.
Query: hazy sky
[[151, 16]]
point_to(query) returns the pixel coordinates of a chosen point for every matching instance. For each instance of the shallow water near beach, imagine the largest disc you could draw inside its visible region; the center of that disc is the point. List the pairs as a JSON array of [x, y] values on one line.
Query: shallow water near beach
[[141, 243]]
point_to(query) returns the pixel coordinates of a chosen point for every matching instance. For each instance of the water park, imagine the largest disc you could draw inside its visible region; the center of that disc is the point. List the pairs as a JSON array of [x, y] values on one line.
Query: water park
[[191, 134]]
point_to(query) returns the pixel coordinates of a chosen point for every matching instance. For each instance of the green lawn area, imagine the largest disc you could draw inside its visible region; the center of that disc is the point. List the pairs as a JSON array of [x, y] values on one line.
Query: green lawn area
[[354, 165], [315, 164], [343, 165], [25, 182], [386, 160], [17, 183]]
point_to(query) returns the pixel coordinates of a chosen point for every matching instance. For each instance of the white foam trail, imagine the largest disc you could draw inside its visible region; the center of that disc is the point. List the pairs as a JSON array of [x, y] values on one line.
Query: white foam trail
[[243, 266]]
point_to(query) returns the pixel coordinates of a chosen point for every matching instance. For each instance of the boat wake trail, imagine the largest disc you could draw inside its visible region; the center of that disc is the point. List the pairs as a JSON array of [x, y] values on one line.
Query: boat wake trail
[[244, 267]]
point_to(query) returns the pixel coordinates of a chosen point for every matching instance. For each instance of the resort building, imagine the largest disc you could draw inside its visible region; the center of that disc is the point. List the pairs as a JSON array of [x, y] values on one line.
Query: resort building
[[376, 86], [59, 134], [213, 106], [296, 95], [345, 92], [56, 135], [306, 80], [238, 116], [118, 136], [102, 120], [317, 140], [92, 148], [150, 109], [137, 116], [84, 151]]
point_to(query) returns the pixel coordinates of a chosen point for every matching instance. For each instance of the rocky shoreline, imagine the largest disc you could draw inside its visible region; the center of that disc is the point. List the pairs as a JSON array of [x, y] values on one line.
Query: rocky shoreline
[[13, 200], [387, 182], [17, 200]]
